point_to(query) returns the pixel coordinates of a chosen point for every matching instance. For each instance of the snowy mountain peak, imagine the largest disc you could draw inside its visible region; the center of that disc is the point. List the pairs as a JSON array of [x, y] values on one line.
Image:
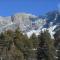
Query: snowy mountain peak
[[30, 24]]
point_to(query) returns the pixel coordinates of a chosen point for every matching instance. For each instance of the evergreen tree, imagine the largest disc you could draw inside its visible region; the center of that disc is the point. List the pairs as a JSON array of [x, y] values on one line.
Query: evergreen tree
[[35, 43], [23, 44], [57, 44], [45, 50], [34, 40]]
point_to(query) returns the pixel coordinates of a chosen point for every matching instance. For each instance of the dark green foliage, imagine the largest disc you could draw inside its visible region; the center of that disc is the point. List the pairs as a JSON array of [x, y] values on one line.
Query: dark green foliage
[[57, 44], [35, 43], [34, 40], [42, 49], [46, 47], [17, 45]]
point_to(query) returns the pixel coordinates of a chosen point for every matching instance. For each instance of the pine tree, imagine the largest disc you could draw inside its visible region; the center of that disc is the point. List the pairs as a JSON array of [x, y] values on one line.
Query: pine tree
[[23, 44], [34, 40], [35, 43], [57, 44], [45, 50]]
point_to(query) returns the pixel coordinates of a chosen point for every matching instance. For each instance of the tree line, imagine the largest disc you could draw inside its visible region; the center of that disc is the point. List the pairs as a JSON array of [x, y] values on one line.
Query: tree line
[[14, 45]]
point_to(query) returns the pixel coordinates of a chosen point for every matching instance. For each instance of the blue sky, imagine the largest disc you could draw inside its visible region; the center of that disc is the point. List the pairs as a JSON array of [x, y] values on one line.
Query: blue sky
[[37, 7]]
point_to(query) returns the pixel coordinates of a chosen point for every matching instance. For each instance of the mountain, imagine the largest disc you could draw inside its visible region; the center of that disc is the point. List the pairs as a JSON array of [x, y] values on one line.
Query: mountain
[[26, 22], [52, 20], [29, 23]]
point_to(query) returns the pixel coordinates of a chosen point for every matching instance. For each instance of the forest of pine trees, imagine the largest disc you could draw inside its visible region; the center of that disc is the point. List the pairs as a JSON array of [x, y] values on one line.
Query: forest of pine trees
[[16, 46]]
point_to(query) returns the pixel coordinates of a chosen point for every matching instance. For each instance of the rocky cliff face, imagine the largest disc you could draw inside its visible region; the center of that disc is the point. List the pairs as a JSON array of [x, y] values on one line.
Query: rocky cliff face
[[53, 18], [25, 22], [29, 23]]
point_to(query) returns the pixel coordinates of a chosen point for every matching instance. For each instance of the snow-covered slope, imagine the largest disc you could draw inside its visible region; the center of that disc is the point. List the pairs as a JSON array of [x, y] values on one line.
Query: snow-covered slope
[[30, 24], [50, 29], [26, 22], [52, 24]]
